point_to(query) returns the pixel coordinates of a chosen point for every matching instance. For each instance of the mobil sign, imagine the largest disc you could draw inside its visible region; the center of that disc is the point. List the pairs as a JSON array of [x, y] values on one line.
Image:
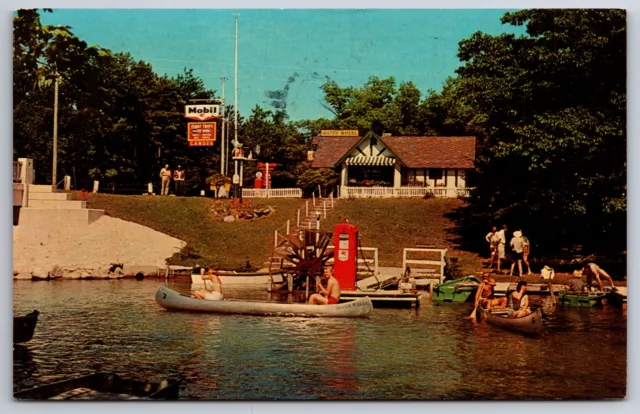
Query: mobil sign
[[201, 112]]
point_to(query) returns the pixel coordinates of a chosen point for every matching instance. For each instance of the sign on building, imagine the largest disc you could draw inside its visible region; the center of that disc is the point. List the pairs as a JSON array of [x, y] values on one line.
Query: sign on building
[[202, 112], [201, 134], [339, 133]]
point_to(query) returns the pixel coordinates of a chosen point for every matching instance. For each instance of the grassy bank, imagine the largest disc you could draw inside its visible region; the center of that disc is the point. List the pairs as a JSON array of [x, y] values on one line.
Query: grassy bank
[[210, 241], [393, 224]]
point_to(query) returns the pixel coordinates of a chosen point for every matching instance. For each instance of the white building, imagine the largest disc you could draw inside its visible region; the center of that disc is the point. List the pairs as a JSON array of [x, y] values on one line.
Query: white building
[[388, 166]]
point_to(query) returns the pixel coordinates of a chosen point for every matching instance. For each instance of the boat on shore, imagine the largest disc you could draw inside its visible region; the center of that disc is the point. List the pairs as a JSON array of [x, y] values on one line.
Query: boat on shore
[[530, 324], [457, 291], [102, 386], [24, 327], [172, 300]]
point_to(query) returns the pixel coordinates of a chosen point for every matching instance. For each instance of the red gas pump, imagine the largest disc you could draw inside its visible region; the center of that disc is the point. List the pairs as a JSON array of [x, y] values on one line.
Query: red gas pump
[[345, 256]]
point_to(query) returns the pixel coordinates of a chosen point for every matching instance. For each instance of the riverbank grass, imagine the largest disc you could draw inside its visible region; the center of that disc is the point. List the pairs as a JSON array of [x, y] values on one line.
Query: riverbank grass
[[394, 224], [210, 241]]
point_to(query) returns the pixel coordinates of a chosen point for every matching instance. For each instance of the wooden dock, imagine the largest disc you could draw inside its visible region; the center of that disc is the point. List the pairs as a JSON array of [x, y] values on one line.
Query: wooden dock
[[384, 298], [502, 288]]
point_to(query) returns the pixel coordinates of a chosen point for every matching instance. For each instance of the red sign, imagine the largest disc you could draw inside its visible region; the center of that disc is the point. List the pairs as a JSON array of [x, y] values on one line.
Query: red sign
[[201, 134]]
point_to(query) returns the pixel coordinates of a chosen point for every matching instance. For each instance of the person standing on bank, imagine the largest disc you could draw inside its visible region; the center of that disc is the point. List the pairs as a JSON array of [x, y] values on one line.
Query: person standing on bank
[[517, 246], [526, 249], [330, 295], [493, 239], [165, 177], [178, 179]]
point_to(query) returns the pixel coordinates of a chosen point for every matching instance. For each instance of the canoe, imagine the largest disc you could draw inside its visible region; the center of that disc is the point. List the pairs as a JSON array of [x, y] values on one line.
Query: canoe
[[24, 327], [172, 300], [102, 386], [458, 291], [530, 324], [582, 299]]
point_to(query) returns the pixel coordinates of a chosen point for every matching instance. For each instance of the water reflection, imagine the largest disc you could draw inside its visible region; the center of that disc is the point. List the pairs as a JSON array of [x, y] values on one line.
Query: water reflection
[[429, 353]]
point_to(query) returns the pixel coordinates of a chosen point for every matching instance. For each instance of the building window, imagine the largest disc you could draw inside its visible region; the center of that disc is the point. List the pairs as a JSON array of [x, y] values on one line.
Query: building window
[[435, 173]]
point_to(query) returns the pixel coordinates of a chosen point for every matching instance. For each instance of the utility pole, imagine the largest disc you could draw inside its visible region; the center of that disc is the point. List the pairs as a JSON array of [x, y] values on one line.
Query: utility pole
[[222, 146], [236, 144], [54, 175]]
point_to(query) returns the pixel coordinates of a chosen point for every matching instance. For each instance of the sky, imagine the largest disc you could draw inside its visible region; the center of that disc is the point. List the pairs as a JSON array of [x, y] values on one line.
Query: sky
[[347, 46]]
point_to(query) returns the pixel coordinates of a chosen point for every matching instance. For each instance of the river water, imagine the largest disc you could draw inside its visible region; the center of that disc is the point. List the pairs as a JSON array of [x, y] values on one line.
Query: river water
[[416, 354]]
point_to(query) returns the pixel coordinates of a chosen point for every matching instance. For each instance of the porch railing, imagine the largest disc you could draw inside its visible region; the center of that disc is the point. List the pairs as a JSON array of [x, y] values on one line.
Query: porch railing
[[390, 192]]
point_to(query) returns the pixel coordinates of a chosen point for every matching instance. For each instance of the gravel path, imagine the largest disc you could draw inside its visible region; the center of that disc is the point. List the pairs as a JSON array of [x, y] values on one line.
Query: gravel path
[[107, 240]]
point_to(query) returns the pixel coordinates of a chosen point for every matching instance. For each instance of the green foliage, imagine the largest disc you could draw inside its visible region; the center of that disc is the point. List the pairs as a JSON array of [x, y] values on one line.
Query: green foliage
[[549, 110], [314, 177]]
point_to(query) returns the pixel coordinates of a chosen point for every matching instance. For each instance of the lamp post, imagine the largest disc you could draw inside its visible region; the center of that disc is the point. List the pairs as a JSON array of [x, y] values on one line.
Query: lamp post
[[54, 172]]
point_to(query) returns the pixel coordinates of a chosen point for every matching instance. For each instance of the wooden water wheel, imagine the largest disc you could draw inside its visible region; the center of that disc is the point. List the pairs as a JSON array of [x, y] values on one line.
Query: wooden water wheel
[[300, 257]]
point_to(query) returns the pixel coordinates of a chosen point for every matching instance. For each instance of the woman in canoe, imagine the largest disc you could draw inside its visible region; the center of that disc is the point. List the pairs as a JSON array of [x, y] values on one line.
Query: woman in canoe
[[216, 285], [520, 301]]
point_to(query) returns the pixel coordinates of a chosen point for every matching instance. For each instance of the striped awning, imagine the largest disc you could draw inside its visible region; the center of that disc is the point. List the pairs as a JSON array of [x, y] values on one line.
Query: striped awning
[[376, 161]]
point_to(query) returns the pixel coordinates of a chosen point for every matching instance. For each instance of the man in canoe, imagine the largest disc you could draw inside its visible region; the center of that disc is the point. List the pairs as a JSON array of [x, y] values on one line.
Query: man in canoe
[[216, 285], [593, 271], [330, 295], [520, 301], [486, 293]]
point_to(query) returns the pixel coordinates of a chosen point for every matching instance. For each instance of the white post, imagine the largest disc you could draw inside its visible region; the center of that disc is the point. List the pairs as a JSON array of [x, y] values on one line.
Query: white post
[[313, 197], [397, 176], [150, 188], [267, 179], [288, 226], [275, 239], [375, 259], [96, 185], [54, 176], [222, 151], [324, 208], [67, 183], [306, 208], [332, 199], [319, 191], [298, 218]]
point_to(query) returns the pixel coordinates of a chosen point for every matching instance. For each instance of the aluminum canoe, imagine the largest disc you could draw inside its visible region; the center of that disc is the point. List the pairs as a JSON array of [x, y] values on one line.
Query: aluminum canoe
[[172, 300]]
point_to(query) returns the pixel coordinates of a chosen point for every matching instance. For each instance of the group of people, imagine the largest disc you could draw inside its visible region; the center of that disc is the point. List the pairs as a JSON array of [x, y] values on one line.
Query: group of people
[[485, 297], [516, 251], [328, 295], [178, 179]]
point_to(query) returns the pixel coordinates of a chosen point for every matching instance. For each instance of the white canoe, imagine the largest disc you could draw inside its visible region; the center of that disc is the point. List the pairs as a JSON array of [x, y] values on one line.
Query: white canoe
[[172, 300]]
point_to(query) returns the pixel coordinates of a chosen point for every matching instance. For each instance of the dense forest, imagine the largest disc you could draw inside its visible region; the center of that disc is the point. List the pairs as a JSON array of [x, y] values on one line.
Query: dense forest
[[548, 109]]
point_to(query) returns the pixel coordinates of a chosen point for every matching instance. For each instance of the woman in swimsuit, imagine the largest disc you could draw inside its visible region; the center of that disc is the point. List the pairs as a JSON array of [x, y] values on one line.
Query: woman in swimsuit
[[216, 286]]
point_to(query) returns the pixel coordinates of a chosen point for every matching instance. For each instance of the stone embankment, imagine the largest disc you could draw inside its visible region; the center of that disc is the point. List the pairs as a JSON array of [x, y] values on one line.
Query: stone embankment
[[89, 252]]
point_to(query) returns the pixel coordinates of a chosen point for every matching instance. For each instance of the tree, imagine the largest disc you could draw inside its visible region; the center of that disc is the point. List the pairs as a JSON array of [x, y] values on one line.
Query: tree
[[549, 112]]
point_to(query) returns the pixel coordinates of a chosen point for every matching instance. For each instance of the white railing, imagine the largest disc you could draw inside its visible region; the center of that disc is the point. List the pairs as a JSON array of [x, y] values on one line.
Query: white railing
[[366, 264], [390, 192], [282, 231], [271, 193], [425, 267]]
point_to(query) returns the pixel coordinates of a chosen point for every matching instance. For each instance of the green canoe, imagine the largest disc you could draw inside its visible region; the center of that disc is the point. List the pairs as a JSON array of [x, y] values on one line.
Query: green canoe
[[458, 290], [582, 299]]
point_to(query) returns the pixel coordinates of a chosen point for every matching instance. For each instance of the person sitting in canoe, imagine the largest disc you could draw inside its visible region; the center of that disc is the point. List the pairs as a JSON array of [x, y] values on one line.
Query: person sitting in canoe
[[330, 295], [486, 292], [216, 291], [520, 301], [593, 271]]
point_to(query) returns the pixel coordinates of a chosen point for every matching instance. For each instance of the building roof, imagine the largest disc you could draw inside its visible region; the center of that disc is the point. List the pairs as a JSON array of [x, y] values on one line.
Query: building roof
[[433, 152], [331, 149], [412, 152]]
